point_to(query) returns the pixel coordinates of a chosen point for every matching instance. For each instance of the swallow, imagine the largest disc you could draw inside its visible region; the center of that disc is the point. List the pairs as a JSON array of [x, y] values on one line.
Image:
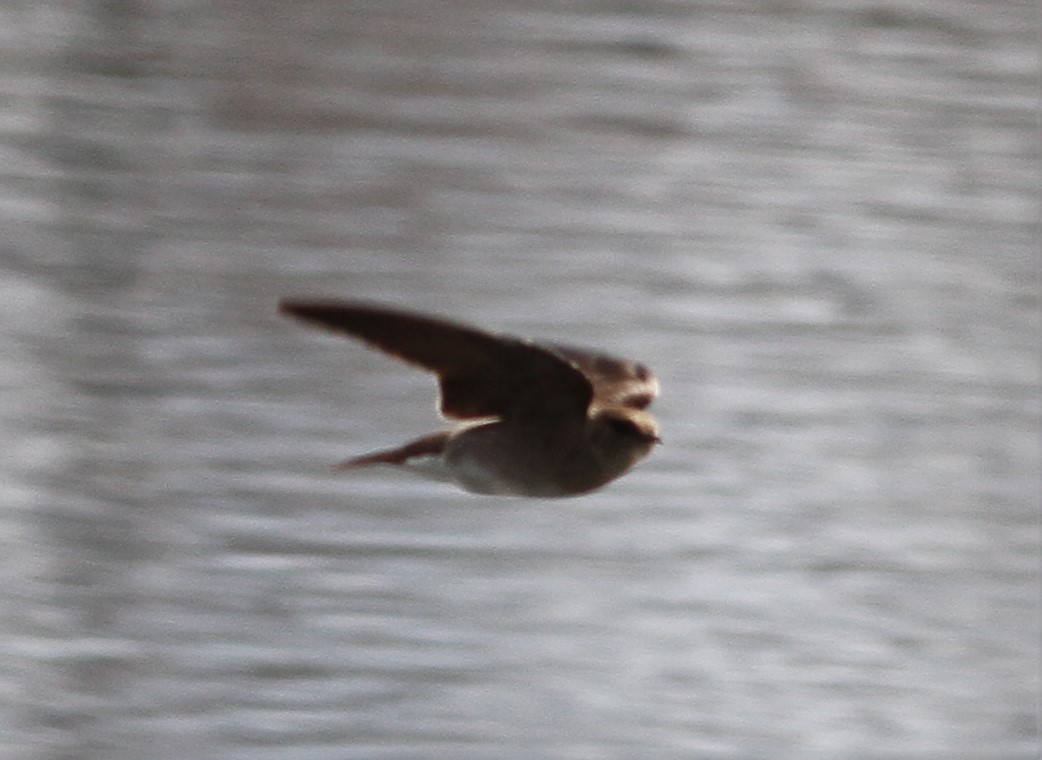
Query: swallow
[[537, 420]]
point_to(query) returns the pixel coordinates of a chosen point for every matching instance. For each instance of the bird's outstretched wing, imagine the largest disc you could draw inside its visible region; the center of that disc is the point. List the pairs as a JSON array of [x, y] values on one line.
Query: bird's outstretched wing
[[480, 374], [616, 382]]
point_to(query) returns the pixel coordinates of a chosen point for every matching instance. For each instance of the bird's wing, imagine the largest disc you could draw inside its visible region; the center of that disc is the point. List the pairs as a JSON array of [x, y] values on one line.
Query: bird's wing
[[616, 382], [480, 374]]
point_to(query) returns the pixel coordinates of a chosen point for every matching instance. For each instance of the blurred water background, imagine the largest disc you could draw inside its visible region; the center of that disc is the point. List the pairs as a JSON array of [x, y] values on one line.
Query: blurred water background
[[817, 220]]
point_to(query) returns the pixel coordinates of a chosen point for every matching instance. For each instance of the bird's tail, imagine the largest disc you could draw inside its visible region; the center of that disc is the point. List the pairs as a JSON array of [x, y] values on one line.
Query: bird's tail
[[428, 446]]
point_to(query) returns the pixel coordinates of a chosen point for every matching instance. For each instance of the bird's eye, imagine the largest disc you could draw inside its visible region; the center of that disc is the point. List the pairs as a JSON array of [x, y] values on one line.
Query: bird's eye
[[623, 427]]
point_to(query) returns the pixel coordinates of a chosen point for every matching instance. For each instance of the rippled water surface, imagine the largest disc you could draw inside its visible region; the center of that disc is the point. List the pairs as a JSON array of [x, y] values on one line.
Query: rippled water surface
[[817, 221]]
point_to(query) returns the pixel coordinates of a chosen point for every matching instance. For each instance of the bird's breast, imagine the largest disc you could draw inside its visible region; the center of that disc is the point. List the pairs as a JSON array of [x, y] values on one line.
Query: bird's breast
[[522, 460]]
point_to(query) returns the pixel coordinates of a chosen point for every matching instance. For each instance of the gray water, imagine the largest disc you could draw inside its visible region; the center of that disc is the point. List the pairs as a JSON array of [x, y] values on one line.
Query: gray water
[[816, 221]]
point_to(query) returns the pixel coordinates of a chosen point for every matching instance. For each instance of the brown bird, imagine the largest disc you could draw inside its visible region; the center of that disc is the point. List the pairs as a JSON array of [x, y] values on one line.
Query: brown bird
[[538, 420]]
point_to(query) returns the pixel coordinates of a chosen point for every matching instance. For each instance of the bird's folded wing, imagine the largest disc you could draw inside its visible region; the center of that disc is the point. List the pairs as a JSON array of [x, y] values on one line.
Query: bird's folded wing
[[480, 374]]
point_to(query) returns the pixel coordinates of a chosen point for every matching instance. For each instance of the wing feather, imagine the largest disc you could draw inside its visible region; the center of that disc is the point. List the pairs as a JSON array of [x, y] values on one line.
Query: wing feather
[[480, 374], [616, 382]]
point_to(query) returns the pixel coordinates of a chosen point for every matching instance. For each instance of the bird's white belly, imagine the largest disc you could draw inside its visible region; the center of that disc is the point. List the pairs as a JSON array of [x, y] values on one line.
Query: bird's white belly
[[463, 471], [432, 467], [476, 476]]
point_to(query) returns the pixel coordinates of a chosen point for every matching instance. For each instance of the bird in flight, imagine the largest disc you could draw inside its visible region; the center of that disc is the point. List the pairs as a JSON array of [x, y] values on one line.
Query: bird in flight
[[542, 420]]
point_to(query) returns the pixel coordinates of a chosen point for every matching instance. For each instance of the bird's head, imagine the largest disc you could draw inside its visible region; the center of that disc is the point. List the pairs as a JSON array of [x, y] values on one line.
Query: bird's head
[[623, 435]]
